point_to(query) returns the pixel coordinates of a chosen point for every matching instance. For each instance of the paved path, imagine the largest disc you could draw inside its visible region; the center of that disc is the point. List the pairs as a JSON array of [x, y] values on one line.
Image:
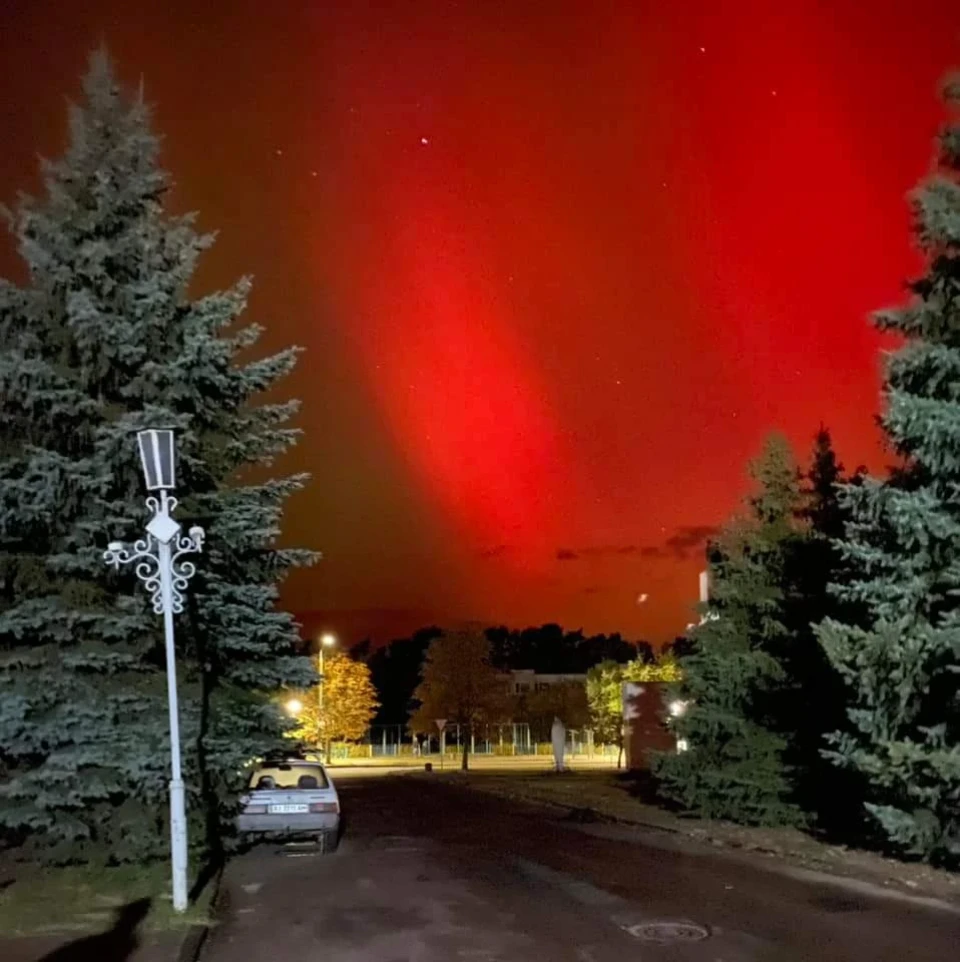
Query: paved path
[[433, 873]]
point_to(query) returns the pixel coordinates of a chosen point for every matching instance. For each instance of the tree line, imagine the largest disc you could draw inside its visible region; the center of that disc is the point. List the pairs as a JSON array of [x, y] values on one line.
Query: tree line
[[822, 687]]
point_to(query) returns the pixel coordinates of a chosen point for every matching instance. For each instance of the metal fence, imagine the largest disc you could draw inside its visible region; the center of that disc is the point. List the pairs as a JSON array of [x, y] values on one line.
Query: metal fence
[[385, 741]]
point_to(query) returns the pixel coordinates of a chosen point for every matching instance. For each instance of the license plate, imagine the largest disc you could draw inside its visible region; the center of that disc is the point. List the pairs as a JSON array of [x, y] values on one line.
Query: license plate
[[288, 809]]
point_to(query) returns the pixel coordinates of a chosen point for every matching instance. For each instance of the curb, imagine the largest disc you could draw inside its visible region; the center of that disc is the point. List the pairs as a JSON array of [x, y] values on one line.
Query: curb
[[789, 865], [196, 937]]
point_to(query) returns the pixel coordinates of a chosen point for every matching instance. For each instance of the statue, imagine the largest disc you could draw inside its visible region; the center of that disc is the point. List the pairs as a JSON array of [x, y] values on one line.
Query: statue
[[558, 736]]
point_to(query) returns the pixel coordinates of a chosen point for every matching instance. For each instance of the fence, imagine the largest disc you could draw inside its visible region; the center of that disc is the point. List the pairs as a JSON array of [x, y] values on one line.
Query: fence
[[509, 739]]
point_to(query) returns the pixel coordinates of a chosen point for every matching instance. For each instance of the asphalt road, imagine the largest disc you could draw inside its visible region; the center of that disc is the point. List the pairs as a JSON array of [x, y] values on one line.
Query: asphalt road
[[429, 872]]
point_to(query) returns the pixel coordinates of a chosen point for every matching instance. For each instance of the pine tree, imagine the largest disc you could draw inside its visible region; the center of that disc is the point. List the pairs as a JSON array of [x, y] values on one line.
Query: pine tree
[[810, 702], [733, 765], [903, 545], [102, 339]]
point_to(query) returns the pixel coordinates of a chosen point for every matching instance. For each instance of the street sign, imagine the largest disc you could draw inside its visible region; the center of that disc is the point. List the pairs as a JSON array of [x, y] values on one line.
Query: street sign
[[441, 723]]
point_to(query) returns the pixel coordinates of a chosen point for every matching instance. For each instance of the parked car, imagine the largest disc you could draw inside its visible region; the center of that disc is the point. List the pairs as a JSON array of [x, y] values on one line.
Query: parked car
[[291, 796]]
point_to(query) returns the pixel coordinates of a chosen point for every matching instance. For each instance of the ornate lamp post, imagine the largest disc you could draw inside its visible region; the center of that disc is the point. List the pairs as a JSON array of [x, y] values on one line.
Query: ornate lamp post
[[159, 566]]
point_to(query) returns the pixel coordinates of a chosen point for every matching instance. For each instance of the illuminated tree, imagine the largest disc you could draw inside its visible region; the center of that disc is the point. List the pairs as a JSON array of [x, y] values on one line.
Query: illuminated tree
[[349, 703], [605, 701], [901, 662], [733, 767], [604, 691], [460, 684]]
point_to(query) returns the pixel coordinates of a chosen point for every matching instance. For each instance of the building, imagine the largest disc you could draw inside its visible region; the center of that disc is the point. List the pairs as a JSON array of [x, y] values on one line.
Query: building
[[527, 680]]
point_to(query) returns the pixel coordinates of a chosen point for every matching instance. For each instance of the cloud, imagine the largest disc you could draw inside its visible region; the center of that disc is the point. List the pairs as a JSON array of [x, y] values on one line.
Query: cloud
[[498, 551], [596, 551], [652, 551], [686, 538], [679, 546]]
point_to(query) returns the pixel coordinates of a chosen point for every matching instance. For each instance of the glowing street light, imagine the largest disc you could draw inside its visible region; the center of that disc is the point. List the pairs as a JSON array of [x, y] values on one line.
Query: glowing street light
[[156, 561], [294, 706], [327, 640]]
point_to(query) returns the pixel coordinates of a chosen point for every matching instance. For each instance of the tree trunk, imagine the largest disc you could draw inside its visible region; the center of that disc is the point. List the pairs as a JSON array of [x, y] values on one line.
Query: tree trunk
[[208, 790], [466, 751]]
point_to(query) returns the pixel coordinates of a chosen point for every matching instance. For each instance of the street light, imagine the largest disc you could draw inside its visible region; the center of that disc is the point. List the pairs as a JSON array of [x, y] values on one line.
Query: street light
[[294, 706], [158, 565], [327, 640]]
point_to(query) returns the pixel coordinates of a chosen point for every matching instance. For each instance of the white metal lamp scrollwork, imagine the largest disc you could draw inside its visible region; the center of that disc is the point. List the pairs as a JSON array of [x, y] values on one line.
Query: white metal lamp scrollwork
[[159, 564]]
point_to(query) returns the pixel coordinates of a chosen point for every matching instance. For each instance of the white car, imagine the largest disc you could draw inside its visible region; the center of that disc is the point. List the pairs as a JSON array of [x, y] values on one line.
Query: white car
[[291, 797]]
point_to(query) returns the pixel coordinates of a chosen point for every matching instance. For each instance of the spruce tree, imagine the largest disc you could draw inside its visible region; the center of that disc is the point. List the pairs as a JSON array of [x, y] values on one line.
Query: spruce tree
[[102, 339], [732, 766], [903, 545], [810, 702]]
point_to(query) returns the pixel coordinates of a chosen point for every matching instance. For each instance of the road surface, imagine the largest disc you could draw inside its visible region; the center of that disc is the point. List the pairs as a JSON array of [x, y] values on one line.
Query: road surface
[[430, 872]]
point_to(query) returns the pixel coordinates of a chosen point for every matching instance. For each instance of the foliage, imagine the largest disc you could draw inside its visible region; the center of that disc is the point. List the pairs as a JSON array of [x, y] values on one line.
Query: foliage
[[566, 701], [349, 703], [812, 563], [733, 768], [547, 649], [101, 340], [395, 670], [460, 684], [605, 701], [604, 691], [550, 650], [901, 660]]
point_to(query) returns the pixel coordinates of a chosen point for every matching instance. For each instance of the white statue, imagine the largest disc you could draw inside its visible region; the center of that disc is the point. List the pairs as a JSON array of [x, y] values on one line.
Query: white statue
[[558, 736]]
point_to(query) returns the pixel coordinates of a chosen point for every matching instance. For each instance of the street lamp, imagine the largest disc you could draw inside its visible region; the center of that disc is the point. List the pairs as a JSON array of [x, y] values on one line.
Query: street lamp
[[294, 706], [158, 565], [327, 640]]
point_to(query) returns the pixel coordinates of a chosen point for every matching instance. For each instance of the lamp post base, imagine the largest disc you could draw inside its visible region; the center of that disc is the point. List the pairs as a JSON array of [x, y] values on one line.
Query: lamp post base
[[178, 843]]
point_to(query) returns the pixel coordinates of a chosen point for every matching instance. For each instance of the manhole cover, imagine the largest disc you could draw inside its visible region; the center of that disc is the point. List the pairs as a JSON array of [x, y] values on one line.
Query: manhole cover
[[668, 932]]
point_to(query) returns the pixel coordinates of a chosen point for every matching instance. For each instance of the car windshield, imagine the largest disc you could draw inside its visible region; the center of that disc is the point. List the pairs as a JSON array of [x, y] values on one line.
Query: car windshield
[[289, 775]]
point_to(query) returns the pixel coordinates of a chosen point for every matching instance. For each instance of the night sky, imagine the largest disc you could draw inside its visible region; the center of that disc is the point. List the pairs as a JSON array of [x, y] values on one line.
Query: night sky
[[558, 267]]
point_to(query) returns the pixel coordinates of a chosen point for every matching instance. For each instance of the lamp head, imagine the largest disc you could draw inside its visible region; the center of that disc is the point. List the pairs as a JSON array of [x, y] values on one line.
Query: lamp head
[[158, 458], [115, 546]]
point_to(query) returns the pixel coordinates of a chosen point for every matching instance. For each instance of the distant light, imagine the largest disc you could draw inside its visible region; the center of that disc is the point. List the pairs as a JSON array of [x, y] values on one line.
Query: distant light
[[424, 141], [328, 639], [677, 708], [294, 706], [642, 598], [682, 745]]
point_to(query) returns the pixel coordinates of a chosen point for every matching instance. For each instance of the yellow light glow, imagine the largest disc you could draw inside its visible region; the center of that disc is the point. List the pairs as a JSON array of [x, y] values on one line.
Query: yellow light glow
[[294, 706]]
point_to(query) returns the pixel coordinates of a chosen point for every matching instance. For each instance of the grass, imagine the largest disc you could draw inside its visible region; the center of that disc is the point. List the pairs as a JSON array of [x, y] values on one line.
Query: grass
[[82, 899]]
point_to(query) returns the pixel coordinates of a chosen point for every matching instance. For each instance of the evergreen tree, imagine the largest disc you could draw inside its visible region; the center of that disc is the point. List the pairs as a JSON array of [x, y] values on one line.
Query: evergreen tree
[[101, 340], [733, 765], [810, 702], [903, 545]]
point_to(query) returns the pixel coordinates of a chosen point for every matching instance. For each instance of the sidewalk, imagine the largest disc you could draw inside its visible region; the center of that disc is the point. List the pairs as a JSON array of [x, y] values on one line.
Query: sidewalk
[[602, 797]]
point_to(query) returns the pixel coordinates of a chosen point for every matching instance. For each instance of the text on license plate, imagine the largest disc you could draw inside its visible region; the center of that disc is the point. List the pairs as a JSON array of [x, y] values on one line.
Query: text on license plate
[[288, 809]]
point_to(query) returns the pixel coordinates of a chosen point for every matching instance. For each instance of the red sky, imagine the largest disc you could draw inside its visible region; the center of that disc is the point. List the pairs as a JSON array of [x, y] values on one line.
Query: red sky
[[558, 267]]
